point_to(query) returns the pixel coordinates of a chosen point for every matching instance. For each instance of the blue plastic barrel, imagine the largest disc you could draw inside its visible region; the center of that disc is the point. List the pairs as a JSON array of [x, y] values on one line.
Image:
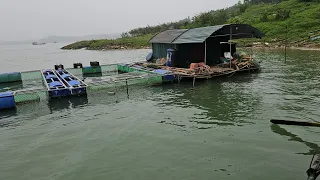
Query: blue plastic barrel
[[65, 76], [74, 82], [47, 70], [7, 100], [55, 84], [51, 76]]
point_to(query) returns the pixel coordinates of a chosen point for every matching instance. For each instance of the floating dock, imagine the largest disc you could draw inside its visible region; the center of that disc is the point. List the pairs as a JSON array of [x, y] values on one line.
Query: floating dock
[[49, 84], [74, 84], [57, 83], [55, 86]]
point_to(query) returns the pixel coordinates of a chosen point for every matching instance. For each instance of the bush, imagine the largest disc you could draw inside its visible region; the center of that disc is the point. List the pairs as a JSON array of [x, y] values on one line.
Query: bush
[[264, 17], [282, 14]]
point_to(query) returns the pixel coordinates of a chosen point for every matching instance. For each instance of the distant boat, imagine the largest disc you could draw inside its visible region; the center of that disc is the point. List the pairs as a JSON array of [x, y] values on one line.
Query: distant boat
[[37, 43]]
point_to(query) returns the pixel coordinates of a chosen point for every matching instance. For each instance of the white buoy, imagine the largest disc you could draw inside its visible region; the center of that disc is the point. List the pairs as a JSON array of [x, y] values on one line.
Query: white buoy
[[111, 93]]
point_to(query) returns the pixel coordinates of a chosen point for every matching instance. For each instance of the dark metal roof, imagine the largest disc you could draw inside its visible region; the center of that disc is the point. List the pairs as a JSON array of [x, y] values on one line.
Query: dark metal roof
[[167, 36], [199, 35]]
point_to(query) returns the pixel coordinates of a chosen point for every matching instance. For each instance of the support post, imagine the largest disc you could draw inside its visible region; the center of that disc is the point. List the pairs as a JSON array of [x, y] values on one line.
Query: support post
[[116, 91], [285, 46], [127, 88], [194, 80], [205, 52], [251, 56], [230, 45]]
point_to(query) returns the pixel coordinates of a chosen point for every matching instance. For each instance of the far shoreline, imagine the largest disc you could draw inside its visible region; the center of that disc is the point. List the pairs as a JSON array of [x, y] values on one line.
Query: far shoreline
[[142, 42], [244, 47], [283, 48]]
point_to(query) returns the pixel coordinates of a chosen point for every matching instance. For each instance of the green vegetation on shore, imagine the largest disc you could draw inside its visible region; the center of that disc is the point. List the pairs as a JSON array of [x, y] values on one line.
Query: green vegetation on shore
[[301, 17], [137, 42], [302, 20]]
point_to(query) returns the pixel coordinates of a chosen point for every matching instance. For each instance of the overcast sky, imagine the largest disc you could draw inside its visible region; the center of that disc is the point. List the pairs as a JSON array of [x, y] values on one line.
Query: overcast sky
[[34, 19]]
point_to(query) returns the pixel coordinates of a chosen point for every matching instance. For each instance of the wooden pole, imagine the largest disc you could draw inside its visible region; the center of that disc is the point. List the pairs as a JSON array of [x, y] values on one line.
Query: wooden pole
[[230, 44], [251, 57], [116, 91], [194, 80], [285, 46], [127, 88]]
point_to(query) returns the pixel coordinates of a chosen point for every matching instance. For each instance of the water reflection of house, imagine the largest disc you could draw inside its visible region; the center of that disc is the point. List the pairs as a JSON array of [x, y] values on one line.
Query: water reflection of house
[[206, 44]]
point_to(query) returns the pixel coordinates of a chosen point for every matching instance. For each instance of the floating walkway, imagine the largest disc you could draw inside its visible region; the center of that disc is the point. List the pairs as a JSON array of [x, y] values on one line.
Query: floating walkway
[[73, 84], [56, 83], [55, 86], [59, 82]]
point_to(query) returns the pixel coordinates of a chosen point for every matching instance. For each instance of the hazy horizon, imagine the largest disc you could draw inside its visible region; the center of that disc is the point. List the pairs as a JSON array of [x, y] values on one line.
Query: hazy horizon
[[35, 19]]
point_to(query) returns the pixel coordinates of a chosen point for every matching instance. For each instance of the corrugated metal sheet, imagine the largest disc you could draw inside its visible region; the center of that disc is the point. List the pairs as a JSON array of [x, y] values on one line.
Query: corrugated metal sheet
[[160, 50], [167, 36], [197, 35]]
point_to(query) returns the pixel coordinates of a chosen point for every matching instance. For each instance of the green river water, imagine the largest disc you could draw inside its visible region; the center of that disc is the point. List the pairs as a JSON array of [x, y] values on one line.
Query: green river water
[[218, 130]]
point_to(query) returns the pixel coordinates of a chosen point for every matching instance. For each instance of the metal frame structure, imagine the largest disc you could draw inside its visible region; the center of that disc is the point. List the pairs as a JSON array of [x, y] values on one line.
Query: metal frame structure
[[79, 89]]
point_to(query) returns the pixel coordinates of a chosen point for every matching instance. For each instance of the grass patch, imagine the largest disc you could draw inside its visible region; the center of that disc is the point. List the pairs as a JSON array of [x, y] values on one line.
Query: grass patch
[[105, 44]]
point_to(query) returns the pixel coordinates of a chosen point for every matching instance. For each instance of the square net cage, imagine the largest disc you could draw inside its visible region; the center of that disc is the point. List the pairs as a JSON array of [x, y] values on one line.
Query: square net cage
[[112, 78]]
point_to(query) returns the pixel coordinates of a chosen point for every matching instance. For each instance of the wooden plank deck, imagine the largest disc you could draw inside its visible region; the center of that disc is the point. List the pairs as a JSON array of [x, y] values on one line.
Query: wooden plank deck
[[206, 72]]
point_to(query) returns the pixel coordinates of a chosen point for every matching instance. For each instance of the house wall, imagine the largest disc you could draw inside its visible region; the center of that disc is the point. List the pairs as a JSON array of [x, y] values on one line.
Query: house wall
[[193, 52], [189, 53], [160, 50], [215, 50]]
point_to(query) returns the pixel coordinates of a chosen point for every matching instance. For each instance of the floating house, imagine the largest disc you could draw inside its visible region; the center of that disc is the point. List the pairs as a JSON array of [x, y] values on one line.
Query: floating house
[[205, 44]]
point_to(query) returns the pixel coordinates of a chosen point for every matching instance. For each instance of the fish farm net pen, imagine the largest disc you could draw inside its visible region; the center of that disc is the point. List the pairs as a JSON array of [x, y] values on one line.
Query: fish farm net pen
[[109, 80], [106, 87]]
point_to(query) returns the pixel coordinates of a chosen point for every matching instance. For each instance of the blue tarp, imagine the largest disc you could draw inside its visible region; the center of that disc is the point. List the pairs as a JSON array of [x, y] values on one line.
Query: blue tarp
[[160, 71]]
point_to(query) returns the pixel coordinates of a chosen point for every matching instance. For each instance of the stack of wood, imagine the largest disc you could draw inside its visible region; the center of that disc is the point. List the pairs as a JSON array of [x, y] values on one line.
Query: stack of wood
[[247, 57], [202, 71], [245, 65], [180, 71]]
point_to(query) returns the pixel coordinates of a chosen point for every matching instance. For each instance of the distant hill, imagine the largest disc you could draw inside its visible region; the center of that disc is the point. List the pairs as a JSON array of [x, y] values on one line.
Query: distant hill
[[52, 39], [301, 17], [139, 42]]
